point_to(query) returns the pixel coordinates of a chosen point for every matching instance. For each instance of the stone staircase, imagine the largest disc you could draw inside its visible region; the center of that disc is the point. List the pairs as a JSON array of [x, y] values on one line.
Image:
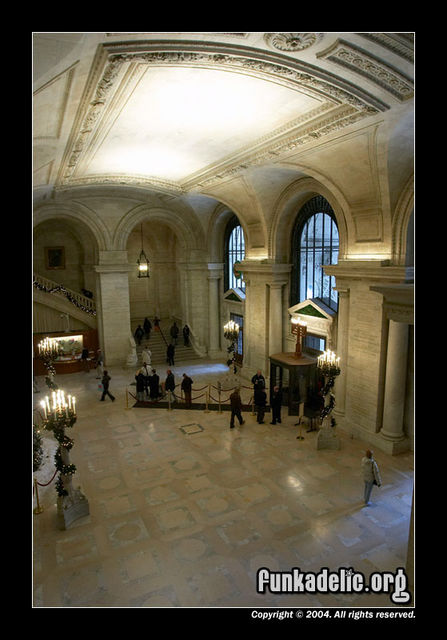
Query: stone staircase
[[157, 345]]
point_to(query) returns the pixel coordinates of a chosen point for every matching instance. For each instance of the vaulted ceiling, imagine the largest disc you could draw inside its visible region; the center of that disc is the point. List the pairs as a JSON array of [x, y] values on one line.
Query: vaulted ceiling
[[176, 112]]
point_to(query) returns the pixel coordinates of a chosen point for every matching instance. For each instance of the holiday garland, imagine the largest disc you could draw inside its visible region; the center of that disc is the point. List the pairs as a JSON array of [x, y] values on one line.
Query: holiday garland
[[58, 426], [61, 289]]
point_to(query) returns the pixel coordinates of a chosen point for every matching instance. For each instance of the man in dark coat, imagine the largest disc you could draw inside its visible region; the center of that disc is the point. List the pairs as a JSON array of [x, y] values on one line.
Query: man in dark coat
[[186, 335], [170, 385], [275, 403], [187, 388], [141, 385], [260, 398], [154, 381], [147, 326], [139, 333], [258, 381], [174, 331], [236, 407], [170, 352], [105, 386]]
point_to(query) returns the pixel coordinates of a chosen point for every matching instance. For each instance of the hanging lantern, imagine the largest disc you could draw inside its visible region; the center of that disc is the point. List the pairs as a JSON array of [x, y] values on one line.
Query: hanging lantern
[[143, 262]]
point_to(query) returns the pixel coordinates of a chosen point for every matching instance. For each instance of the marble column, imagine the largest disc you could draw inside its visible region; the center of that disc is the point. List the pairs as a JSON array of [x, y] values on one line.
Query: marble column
[[214, 276], [113, 277], [395, 385]]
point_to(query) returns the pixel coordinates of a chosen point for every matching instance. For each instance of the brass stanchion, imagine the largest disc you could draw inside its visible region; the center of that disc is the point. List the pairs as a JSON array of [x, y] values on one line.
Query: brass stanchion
[[207, 395], [169, 401], [127, 398], [39, 508]]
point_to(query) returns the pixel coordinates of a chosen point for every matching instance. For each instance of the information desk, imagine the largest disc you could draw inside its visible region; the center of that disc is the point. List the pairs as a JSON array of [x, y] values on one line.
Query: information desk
[[72, 344], [302, 382]]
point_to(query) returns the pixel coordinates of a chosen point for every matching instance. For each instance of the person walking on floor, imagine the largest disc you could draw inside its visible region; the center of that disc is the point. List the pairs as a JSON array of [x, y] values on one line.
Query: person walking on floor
[[146, 375], [170, 352], [170, 385], [260, 398], [105, 387], [99, 364], [141, 385], [186, 387], [371, 475], [236, 408], [275, 404]]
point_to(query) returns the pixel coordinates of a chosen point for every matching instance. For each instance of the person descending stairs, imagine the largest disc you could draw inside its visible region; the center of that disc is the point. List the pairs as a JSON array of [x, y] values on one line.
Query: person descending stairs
[[157, 344]]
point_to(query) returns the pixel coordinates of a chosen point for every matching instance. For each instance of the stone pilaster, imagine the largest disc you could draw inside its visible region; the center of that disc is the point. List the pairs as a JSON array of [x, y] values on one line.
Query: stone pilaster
[[215, 274], [342, 349], [114, 321]]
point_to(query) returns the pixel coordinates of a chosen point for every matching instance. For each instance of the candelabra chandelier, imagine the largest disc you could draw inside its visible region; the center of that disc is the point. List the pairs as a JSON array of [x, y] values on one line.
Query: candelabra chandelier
[[329, 365], [49, 350], [59, 415]]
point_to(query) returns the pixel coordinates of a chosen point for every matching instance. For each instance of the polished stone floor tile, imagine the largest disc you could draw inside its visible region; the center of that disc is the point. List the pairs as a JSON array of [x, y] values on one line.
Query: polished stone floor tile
[[184, 511]]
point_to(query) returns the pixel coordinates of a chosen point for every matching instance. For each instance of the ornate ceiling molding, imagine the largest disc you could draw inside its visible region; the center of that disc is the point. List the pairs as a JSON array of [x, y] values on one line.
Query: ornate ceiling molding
[[402, 44], [370, 67], [348, 103]]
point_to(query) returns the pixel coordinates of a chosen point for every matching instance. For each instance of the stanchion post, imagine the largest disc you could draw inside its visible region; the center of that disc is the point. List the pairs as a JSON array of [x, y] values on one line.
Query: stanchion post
[[38, 509], [169, 401], [207, 396], [127, 398]]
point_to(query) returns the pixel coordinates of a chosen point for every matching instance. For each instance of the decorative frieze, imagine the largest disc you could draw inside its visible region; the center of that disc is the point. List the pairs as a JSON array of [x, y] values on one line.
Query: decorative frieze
[[370, 67]]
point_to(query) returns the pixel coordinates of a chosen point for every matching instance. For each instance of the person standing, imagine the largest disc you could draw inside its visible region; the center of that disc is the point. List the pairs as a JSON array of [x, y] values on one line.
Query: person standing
[[147, 326], [105, 387], [146, 357], [146, 376], [156, 323], [236, 408], [258, 381], [187, 388], [174, 331], [170, 385], [260, 398], [84, 359], [371, 475], [275, 404], [99, 364], [170, 352], [154, 381], [186, 333], [141, 385]]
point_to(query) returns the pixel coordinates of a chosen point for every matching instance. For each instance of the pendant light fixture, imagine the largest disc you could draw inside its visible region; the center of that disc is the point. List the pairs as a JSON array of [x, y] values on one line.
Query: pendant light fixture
[[143, 262]]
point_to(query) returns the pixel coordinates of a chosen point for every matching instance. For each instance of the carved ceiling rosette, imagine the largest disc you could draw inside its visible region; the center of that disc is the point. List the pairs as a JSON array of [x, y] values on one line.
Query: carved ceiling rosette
[[292, 41]]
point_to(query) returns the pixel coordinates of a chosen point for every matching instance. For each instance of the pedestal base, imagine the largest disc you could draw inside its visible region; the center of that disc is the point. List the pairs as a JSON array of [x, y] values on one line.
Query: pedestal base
[[327, 438], [70, 508]]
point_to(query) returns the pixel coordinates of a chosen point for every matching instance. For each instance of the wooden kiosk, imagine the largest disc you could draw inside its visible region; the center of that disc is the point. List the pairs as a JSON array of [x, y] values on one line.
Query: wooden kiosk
[[302, 376]]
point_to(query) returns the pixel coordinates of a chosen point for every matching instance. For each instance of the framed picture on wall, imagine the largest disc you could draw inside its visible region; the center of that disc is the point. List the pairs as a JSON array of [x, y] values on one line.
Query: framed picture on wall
[[55, 257]]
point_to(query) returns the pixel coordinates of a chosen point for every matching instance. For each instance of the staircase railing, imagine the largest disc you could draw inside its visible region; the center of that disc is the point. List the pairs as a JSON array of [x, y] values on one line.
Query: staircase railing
[[80, 301]]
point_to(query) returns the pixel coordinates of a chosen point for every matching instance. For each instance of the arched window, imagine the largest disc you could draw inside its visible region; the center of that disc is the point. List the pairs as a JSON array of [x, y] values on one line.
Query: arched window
[[315, 243], [234, 252]]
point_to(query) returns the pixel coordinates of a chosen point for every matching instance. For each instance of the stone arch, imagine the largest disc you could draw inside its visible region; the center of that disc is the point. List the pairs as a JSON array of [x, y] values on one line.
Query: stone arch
[[191, 236], [287, 207], [76, 215], [216, 230]]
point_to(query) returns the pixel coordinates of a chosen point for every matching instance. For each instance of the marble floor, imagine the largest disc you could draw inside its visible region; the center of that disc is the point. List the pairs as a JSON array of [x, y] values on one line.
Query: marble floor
[[184, 511]]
